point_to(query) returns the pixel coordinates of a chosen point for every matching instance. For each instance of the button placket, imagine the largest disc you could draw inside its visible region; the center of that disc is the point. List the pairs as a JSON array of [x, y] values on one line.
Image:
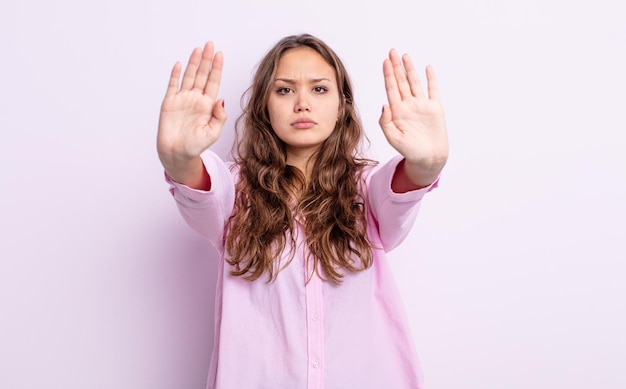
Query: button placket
[[315, 332]]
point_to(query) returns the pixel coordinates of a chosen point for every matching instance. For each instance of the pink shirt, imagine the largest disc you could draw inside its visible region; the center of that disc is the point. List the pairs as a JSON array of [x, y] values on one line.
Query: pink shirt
[[291, 334]]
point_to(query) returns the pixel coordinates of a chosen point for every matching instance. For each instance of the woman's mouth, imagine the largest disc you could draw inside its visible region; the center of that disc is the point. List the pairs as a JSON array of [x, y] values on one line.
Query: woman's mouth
[[303, 123]]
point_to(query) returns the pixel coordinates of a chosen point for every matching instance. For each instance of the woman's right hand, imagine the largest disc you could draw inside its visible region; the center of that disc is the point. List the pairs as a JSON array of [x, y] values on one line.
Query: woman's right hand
[[191, 116]]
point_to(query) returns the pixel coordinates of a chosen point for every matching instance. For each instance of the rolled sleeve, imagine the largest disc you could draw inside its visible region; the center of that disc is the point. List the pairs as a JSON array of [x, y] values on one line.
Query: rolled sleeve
[[393, 214], [206, 212]]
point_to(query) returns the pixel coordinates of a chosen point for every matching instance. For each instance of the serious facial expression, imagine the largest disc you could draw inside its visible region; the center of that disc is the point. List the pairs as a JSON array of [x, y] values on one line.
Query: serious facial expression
[[304, 101]]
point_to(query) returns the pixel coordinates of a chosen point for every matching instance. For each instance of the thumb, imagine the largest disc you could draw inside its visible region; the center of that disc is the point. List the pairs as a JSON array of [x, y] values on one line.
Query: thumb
[[218, 115], [385, 117]]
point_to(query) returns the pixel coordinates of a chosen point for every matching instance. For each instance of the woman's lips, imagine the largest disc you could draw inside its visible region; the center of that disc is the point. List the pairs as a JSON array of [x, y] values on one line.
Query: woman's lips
[[303, 123]]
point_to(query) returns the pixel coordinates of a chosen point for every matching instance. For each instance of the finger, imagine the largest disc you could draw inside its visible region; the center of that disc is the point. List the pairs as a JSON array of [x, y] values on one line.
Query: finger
[[172, 86], [391, 85], [413, 78], [400, 74], [433, 88], [191, 70], [205, 66], [215, 76]]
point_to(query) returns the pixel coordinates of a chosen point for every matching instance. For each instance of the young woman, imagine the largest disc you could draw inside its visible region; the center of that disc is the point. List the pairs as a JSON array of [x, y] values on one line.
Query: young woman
[[305, 296]]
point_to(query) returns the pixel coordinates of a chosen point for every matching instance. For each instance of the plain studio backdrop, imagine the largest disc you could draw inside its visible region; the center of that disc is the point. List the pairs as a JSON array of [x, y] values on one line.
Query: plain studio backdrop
[[513, 277]]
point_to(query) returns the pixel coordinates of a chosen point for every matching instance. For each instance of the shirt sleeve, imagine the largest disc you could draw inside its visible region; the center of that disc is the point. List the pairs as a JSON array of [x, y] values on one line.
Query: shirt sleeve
[[207, 212], [392, 214]]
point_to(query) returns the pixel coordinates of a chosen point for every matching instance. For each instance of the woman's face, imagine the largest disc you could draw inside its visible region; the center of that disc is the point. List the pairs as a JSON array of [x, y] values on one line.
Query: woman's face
[[304, 101]]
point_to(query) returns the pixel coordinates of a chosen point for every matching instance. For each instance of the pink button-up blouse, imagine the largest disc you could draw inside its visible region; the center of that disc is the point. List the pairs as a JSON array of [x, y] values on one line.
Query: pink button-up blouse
[[292, 334]]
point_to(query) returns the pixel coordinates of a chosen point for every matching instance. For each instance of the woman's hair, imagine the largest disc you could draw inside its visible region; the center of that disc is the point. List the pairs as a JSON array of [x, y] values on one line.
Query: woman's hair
[[270, 194]]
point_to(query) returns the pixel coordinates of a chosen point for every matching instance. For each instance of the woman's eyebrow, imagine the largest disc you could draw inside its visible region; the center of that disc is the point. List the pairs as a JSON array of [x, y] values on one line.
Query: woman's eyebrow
[[292, 81]]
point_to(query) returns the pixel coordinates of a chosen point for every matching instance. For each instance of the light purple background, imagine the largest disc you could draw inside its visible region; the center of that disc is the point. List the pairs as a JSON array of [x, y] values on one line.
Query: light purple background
[[514, 276]]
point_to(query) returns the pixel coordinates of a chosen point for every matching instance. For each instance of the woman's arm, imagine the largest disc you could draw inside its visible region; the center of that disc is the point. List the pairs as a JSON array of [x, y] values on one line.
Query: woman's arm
[[207, 212]]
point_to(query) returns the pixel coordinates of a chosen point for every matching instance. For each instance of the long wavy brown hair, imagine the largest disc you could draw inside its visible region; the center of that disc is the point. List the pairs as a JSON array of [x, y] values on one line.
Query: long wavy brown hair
[[270, 194]]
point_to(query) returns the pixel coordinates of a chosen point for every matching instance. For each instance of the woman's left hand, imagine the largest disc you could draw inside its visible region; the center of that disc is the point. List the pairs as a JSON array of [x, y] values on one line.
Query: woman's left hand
[[414, 122]]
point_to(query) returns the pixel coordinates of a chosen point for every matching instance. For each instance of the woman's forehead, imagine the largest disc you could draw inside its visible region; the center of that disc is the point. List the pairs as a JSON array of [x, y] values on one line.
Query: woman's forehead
[[304, 63]]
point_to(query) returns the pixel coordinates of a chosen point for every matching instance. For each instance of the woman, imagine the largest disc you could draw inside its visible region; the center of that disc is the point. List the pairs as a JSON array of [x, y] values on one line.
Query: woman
[[305, 295]]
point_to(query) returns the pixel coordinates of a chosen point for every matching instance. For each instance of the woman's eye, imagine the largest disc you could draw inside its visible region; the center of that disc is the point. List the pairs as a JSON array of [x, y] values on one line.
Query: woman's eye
[[283, 90], [320, 89]]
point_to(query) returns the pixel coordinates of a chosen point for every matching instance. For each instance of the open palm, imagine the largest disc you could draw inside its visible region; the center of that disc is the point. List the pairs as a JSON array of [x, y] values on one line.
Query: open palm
[[413, 122], [191, 117]]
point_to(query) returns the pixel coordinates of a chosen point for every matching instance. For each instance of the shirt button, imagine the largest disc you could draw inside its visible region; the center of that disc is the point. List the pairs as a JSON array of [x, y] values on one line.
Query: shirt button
[[316, 364], [315, 317]]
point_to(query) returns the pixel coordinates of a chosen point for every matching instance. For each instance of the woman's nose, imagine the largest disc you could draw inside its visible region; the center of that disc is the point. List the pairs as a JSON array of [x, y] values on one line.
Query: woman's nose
[[302, 105]]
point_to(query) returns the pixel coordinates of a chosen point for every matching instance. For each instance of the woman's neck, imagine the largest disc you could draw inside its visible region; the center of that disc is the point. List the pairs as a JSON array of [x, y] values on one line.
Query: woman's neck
[[303, 162]]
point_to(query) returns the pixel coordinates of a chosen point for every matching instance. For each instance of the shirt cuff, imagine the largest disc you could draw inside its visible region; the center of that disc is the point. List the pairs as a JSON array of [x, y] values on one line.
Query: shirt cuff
[[412, 195]]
